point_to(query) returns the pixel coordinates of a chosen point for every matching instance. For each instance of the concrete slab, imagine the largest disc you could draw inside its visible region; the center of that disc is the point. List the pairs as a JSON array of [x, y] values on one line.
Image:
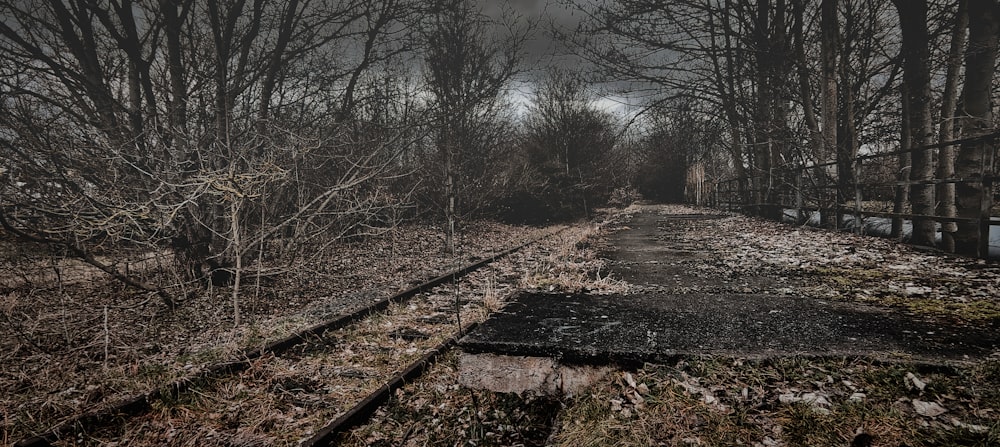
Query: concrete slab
[[520, 374], [660, 327], [652, 252]]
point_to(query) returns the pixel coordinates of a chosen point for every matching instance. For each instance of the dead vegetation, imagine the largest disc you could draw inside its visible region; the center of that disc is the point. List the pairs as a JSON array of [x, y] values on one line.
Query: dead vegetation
[[710, 402], [847, 267], [74, 346], [283, 400], [575, 266]]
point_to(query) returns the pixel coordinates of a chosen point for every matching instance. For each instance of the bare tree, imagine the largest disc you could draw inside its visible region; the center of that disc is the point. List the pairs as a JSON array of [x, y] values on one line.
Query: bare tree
[[466, 73], [916, 73], [973, 200], [167, 125], [946, 131], [568, 140], [830, 32]]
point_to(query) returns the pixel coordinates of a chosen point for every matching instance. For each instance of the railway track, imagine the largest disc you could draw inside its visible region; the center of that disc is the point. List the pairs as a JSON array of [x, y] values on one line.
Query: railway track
[[333, 371]]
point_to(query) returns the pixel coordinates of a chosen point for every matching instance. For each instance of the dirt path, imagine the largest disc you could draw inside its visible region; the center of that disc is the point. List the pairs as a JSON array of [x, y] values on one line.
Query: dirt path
[[686, 302]]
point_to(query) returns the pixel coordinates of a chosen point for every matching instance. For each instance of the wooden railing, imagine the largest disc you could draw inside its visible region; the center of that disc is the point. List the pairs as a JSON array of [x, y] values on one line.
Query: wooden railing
[[878, 194]]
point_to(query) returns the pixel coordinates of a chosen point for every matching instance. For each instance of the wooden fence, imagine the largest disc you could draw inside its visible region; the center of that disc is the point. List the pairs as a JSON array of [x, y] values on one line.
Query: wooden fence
[[878, 194]]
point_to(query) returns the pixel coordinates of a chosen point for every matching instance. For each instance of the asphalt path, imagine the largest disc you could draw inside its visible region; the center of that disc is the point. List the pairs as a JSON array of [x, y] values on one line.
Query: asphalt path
[[677, 313]]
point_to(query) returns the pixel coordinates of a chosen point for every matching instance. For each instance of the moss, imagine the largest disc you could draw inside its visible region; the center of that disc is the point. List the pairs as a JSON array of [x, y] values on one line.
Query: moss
[[852, 277], [972, 311], [849, 282]]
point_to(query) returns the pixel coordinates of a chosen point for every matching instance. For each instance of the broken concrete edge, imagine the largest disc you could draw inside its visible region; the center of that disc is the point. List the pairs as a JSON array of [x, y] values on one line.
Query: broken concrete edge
[[519, 375], [141, 403], [632, 361], [574, 357]]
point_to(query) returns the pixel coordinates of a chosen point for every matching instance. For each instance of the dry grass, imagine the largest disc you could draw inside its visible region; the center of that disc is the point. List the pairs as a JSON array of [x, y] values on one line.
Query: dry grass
[[69, 345], [574, 265], [281, 401], [795, 402], [709, 401]]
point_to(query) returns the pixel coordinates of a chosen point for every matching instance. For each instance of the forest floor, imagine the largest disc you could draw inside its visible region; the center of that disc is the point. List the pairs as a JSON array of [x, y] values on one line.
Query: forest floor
[[72, 342]]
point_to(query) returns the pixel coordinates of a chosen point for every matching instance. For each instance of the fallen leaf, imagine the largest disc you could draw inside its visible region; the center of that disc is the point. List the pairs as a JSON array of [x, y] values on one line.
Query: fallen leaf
[[915, 381], [630, 380], [928, 409], [970, 427]]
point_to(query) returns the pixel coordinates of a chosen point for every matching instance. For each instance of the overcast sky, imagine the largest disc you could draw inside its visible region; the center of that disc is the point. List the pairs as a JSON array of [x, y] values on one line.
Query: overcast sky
[[541, 52]]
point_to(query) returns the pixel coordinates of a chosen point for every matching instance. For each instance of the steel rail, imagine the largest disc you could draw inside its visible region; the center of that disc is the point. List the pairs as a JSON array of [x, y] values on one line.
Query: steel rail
[[362, 412]]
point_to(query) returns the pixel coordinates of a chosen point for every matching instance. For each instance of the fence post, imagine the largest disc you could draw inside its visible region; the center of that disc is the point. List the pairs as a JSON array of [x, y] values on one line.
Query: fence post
[[858, 224], [985, 205], [986, 200], [715, 195], [798, 196]]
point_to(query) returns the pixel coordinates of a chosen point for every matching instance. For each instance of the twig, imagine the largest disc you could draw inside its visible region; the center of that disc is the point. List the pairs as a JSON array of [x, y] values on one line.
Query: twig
[[458, 306], [406, 436], [107, 337]]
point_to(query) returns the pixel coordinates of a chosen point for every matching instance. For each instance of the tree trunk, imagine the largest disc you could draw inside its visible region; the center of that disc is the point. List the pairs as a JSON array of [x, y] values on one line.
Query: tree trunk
[[769, 119], [828, 51], [847, 145], [449, 193], [237, 248], [847, 132], [916, 73], [726, 81], [946, 132], [177, 105], [980, 59]]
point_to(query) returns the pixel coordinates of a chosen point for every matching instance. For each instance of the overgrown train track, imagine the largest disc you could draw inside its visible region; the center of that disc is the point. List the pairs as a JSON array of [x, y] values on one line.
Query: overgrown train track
[[289, 390]]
